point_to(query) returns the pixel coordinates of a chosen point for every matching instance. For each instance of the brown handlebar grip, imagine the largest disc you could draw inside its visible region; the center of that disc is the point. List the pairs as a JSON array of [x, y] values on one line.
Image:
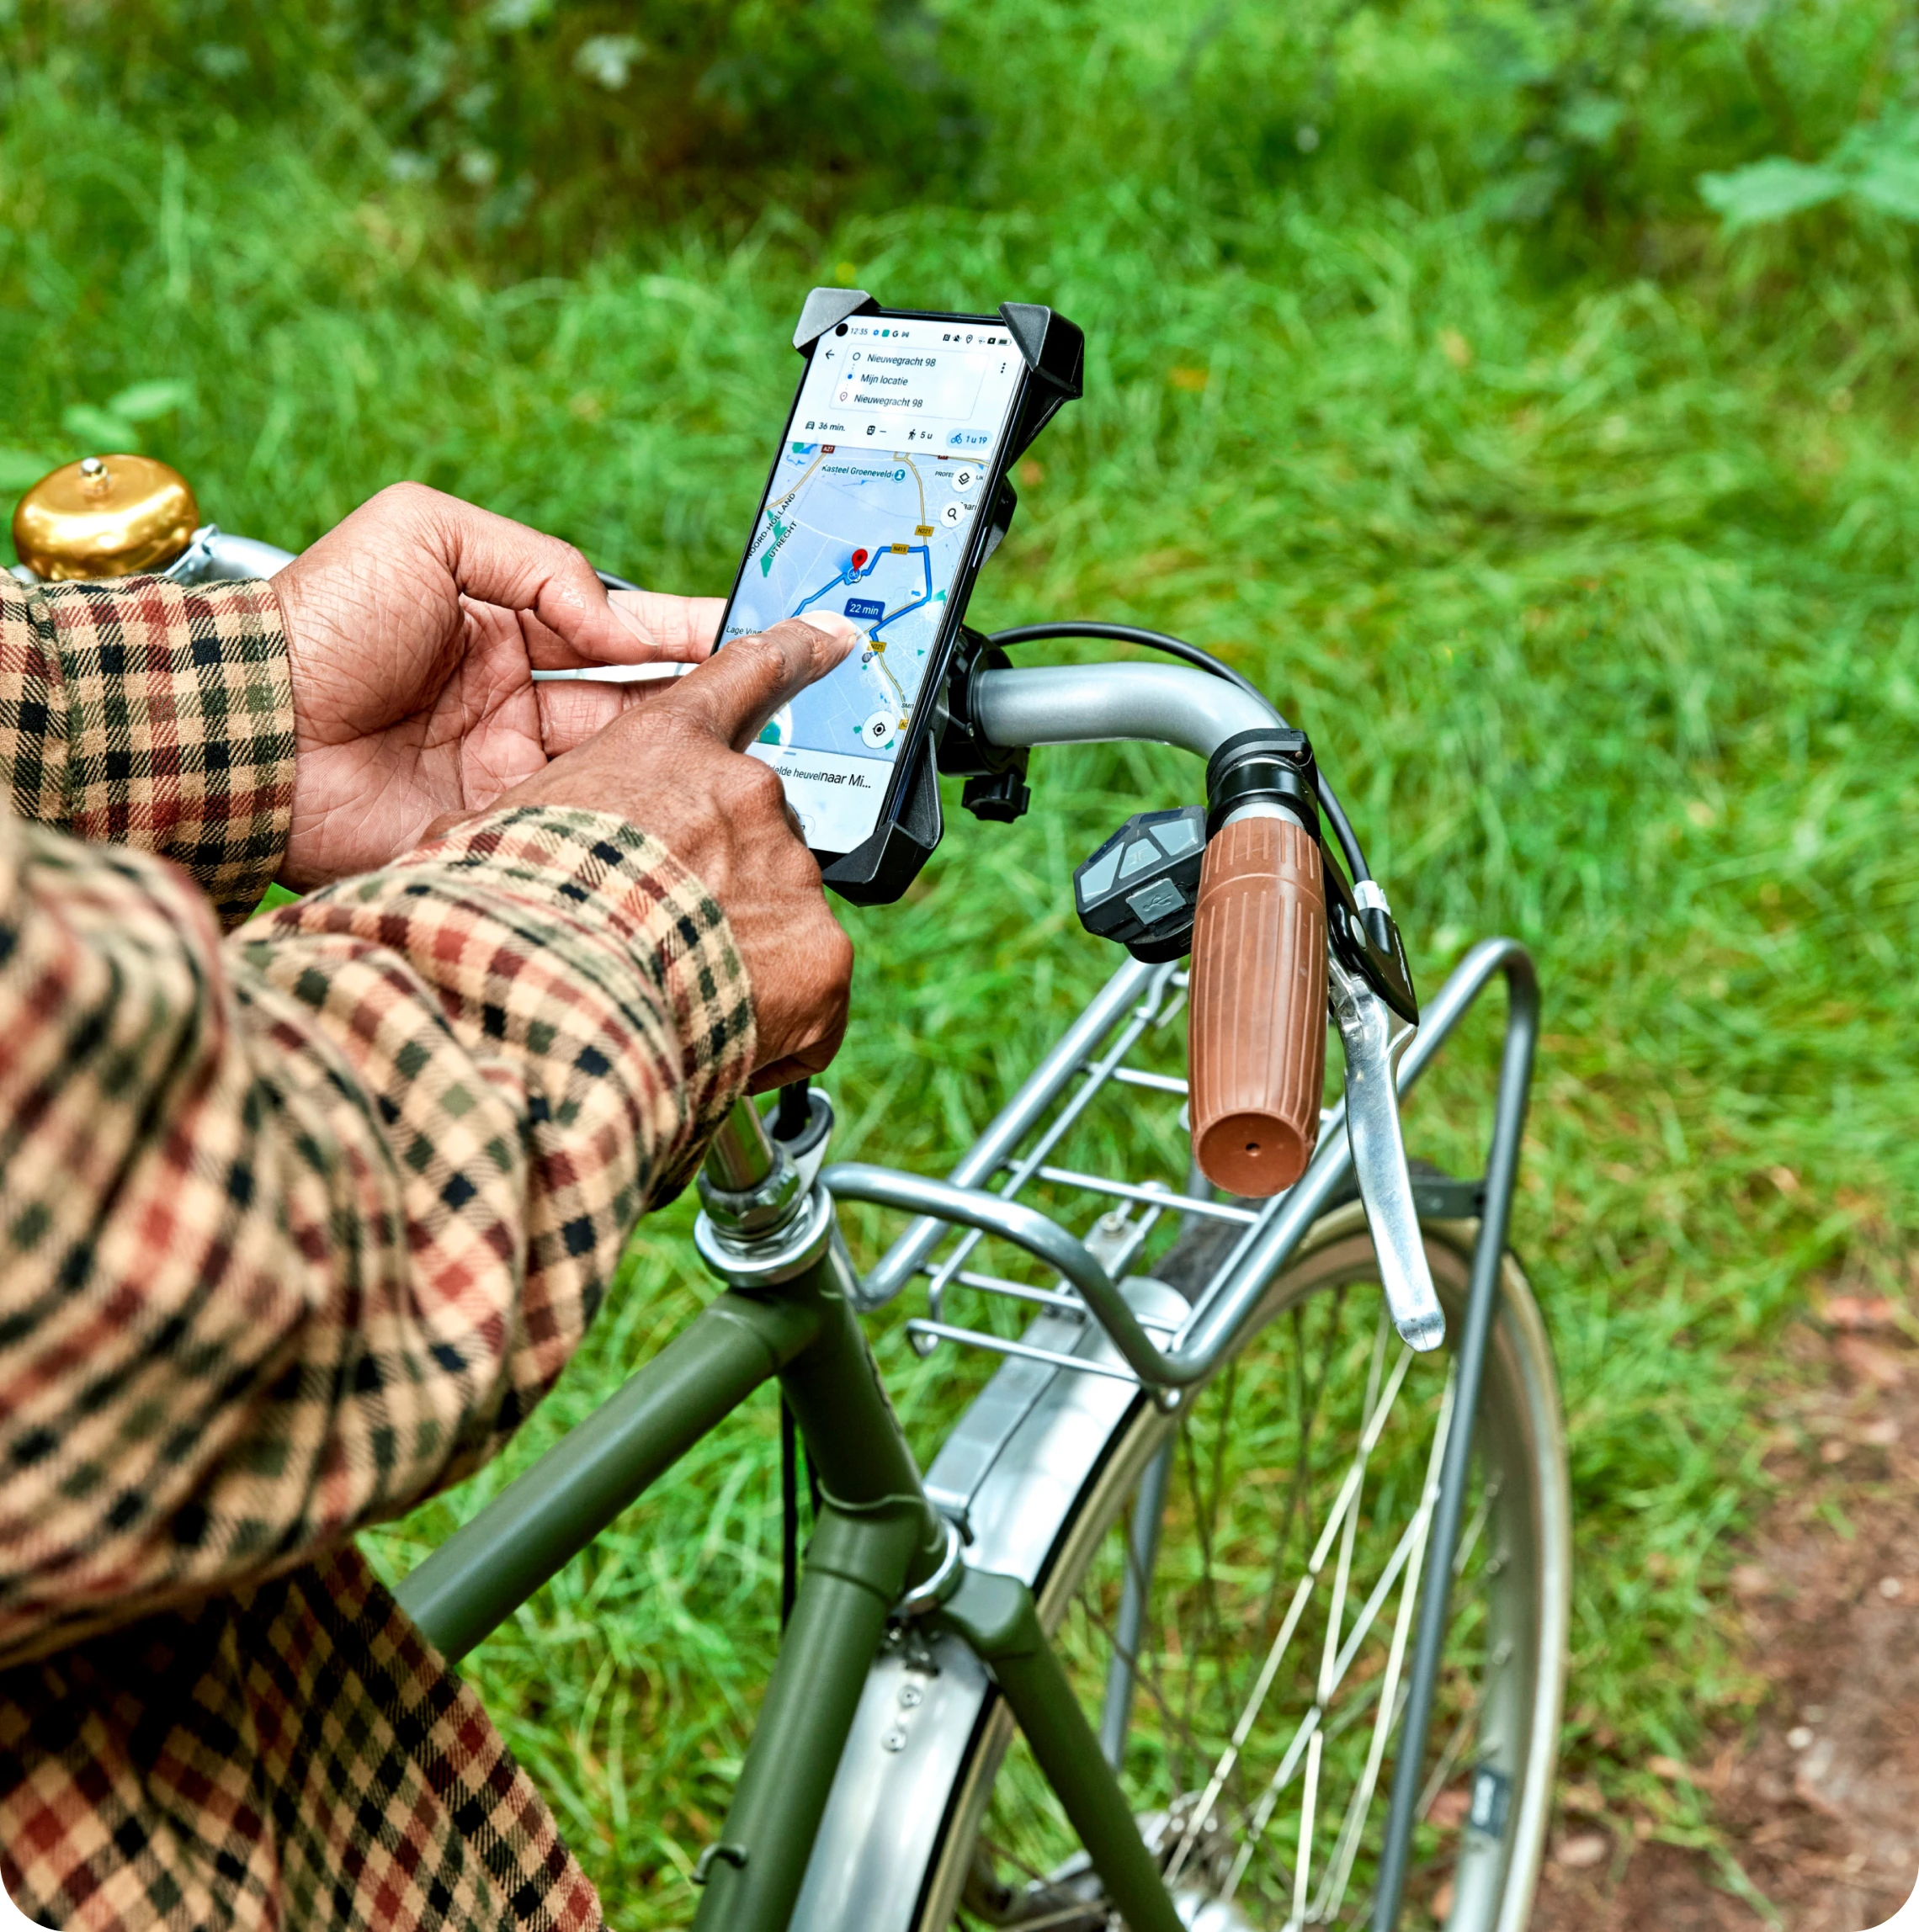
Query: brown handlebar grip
[[1256, 1055]]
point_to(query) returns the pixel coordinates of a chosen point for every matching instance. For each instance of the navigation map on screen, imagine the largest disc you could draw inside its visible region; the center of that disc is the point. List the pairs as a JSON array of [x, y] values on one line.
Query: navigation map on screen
[[870, 512]]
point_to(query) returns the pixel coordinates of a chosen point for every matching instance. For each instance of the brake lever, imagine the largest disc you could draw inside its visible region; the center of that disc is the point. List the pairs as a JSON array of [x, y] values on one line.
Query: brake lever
[[1372, 1049]]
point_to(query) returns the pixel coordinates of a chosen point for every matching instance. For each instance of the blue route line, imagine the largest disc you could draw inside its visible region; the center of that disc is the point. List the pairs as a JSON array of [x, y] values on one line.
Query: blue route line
[[849, 577]]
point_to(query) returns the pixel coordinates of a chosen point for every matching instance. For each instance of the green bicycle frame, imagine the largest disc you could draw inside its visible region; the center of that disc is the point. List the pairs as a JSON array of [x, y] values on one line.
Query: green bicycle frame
[[877, 1538]]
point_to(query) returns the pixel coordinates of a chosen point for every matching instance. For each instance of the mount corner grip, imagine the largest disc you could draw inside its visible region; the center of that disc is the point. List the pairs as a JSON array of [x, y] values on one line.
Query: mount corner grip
[[1055, 350], [1052, 346], [826, 309], [879, 872]]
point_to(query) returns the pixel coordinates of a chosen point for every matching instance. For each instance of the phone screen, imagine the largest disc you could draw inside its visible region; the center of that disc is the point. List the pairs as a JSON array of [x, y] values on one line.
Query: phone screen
[[873, 510]]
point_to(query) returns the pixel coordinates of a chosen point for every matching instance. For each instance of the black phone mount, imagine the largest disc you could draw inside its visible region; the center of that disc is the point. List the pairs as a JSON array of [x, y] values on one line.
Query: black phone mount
[[995, 788], [878, 871]]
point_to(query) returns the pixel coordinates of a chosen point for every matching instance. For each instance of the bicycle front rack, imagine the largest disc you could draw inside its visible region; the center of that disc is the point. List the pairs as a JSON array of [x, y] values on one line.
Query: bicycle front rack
[[1108, 1055], [1127, 1023]]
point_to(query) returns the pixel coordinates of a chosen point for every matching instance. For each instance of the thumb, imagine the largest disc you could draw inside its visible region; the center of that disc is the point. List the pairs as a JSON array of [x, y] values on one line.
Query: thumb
[[737, 689]]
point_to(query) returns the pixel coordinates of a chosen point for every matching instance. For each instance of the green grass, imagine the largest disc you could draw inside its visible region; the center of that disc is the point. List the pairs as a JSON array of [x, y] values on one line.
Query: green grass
[[1595, 589]]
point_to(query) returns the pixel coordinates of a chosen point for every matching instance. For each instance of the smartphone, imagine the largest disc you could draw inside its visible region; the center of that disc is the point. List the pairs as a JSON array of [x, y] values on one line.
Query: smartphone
[[880, 507]]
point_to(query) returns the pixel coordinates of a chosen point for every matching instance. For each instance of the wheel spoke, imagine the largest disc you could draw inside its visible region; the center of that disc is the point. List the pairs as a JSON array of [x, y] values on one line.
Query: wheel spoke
[[1391, 1701], [1450, 1756], [1328, 1682], [1368, 1613], [1471, 1535], [1307, 1394], [1346, 1502], [1342, 1574]]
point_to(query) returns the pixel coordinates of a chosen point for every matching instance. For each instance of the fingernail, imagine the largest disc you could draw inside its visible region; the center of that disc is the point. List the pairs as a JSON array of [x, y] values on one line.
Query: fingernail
[[841, 628]]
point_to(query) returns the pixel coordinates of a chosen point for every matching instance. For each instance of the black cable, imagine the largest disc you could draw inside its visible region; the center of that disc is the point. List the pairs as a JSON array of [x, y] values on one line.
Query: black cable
[[1204, 660], [788, 1513], [1132, 634], [1341, 827]]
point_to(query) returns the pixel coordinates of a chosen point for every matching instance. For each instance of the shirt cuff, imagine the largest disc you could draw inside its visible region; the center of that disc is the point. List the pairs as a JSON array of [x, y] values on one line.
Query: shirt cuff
[[141, 712]]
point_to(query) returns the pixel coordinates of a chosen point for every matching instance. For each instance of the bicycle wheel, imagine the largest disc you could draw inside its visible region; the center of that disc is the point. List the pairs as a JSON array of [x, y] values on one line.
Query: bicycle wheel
[[1234, 1595]]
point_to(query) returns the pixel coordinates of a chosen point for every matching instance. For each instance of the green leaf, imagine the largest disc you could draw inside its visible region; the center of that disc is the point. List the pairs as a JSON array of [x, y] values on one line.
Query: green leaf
[[1889, 182], [609, 59], [512, 16], [144, 401], [101, 430], [1769, 190], [20, 469], [1863, 144]]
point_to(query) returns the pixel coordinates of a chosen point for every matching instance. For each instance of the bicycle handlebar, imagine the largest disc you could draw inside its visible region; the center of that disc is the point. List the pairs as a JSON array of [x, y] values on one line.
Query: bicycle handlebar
[[1257, 1054], [215, 556], [1101, 703], [1257, 1058], [1259, 959]]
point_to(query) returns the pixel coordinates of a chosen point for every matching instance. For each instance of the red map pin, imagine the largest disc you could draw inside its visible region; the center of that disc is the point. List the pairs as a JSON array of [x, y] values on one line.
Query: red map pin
[[860, 560]]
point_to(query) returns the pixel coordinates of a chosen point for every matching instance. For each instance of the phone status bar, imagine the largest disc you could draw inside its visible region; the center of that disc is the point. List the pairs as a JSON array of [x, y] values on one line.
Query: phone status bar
[[969, 338]]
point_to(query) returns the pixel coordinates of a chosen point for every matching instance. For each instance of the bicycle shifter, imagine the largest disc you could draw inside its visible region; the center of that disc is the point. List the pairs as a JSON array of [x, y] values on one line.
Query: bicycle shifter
[[1366, 1033]]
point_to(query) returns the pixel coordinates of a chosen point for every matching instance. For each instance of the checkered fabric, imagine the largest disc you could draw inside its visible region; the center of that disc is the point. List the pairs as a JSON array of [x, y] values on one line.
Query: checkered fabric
[[149, 714], [295, 1229], [290, 1755]]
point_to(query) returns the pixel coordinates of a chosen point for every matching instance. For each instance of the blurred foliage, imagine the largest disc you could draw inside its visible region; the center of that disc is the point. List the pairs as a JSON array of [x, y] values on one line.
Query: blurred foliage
[[555, 121], [1874, 170], [545, 128], [1586, 121]]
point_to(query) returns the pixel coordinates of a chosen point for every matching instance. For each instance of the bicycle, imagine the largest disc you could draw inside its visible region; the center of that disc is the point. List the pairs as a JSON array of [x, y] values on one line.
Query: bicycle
[[1096, 1532]]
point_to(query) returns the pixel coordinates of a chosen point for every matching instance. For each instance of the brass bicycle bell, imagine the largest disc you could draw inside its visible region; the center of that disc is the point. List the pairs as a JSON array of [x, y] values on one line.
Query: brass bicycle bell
[[105, 517]]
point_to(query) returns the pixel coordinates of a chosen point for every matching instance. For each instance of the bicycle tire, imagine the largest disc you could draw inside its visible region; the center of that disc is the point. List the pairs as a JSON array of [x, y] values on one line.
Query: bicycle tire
[[1519, 1434]]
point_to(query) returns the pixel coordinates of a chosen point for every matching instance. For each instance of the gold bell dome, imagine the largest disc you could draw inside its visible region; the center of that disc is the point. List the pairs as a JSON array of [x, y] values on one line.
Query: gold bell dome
[[105, 517]]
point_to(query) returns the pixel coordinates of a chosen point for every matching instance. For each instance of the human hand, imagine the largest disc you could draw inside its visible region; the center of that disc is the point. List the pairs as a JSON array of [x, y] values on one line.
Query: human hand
[[414, 627], [675, 767]]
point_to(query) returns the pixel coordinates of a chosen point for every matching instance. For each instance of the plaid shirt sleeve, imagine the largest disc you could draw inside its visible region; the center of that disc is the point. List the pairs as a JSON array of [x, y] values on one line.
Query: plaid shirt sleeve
[[298, 1228], [294, 1227], [292, 1757], [151, 715]]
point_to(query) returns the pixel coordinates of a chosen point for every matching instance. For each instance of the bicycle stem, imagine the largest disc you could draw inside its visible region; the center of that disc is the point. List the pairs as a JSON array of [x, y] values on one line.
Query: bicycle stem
[[740, 1155]]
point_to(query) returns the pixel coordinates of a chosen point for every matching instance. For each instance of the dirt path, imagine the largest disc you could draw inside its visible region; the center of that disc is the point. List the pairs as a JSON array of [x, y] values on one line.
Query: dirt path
[[1820, 1800]]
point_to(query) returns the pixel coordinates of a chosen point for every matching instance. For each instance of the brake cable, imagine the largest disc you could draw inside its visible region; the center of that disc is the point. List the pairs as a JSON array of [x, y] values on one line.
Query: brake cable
[[1204, 660]]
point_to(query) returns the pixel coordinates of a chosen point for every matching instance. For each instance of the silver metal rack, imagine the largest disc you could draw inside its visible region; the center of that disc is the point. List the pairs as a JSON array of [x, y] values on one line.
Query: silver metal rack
[[1062, 1097], [1098, 1056], [1094, 1063]]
